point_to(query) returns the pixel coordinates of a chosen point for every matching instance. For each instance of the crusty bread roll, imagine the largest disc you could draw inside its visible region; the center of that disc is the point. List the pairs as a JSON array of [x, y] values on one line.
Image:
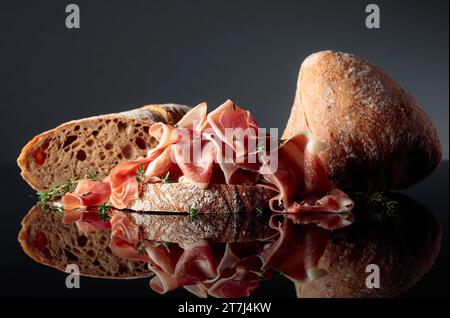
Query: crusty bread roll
[[95, 144], [48, 241], [217, 198], [404, 246], [378, 137]]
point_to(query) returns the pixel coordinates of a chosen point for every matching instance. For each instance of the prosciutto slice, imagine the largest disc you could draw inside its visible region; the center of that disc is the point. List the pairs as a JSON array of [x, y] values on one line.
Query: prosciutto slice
[[227, 269], [225, 145]]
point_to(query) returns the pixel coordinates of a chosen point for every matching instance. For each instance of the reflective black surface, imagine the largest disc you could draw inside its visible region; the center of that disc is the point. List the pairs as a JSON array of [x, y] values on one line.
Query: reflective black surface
[[22, 277]]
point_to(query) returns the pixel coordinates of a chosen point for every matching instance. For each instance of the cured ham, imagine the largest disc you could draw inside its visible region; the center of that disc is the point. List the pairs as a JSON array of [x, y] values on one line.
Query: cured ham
[[224, 145], [87, 193], [226, 269]]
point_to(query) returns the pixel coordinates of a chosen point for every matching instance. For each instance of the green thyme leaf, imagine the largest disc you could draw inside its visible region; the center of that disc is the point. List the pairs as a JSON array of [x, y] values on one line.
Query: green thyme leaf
[[167, 246], [103, 210], [92, 175], [56, 192], [258, 212], [193, 214], [141, 171], [166, 178], [140, 247]]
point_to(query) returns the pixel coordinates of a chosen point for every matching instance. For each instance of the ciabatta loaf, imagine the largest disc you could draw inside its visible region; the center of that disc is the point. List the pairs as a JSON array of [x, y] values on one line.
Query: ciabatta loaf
[[378, 137], [96, 144], [404, 246], [217, 198], [48, 241]]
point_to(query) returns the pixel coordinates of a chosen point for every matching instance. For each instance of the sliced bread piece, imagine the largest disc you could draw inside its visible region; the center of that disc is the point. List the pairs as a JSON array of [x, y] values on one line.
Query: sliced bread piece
[[217, 227], [95, 144], [217, 198], [48, 241]]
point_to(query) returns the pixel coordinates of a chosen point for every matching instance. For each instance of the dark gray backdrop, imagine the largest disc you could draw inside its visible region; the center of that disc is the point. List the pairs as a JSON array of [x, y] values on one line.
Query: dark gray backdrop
[[131, 53]]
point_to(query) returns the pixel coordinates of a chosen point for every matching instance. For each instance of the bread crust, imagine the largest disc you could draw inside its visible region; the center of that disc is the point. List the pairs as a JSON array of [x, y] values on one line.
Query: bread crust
[[216, 228], [217, 198], [48, 241], [98, 143], [378, 137], [404, 247]]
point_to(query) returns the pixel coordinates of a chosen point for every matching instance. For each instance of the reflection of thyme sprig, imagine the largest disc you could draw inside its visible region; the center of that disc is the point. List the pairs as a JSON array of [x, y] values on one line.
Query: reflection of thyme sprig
[[260, 277], [193, 214], [103, 210], [377, 204], [167, 246], [140, 247], [258, 212], [51, 207]]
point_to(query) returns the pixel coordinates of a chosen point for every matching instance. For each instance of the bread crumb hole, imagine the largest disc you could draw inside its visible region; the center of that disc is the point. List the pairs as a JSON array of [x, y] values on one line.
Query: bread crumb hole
[[146, 129], [89, 142], [81, 240], [140, 143], [90, 253], [77, 127], [121, 126], [70, 139], [81, 155], [127, 151], [123, 269], [108, 146], [70, 256], [95, 133]]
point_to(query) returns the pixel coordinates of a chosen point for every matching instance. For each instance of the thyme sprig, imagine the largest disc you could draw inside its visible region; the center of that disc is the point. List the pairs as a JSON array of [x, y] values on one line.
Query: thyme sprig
[[258, 212], [57, 191], [193, 214], [140, 174], [378, 205], [140, 247], [166, 178], [167, 246]]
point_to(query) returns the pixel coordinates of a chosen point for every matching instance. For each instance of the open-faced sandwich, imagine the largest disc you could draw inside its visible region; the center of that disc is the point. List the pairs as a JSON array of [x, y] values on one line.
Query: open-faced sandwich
[[351, 129]]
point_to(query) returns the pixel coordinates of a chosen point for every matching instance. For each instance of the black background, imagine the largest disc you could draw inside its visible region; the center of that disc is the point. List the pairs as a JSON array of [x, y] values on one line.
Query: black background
[[131, 53]]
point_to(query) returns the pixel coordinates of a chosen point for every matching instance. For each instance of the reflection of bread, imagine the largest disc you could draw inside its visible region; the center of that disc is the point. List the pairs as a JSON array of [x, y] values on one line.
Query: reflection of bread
[[217, 198], [95, 144], [404, 247], [217, 227], [378, 137], [48, 241]]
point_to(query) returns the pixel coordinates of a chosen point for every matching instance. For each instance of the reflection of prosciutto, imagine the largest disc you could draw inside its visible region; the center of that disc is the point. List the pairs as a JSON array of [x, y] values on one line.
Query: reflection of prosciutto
[[225, 269], [200, 151]]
